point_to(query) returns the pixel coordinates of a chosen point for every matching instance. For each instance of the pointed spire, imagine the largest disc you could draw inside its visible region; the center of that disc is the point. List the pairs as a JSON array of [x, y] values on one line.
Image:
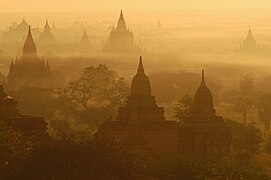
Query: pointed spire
[[121, 14], [140, 68], [203, 82], [47, 27], [29, 45], [249, 34], [29, 35], [121, 21]]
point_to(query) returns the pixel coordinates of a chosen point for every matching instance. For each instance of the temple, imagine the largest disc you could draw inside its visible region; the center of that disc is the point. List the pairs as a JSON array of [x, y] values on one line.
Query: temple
[[121, 39], [29, 70], [141, 123], [34, 128], [47, 36], [204, 134], [18, 31], [249, 45]]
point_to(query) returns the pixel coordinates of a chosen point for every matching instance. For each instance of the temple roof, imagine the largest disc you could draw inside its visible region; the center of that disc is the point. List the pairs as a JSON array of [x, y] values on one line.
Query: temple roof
[[203, 99], [141, 84], [29, 45], [121, 22]]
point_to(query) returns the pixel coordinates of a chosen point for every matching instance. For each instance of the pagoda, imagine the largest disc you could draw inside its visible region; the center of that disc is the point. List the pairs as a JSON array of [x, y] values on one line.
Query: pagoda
[[249, 45], [204, 134], [47, 36], [141, 122], [121, 39], [29, 70], [84, 39]]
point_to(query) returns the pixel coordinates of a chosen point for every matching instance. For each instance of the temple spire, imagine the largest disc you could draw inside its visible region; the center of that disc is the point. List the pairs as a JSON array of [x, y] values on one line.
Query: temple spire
[[121, 22], [47, 27], [203, 82], [140, 68], [29, 45], [249, 34]]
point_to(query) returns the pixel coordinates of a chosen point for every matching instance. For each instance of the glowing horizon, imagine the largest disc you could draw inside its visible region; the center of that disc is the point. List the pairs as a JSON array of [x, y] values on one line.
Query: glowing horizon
[[105, 5]]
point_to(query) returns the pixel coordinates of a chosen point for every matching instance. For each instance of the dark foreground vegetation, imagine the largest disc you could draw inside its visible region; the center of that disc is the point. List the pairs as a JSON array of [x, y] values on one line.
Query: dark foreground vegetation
[[78, 156]]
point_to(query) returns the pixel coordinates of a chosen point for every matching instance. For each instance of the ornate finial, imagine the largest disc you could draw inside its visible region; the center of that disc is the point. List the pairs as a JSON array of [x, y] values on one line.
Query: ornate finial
[[140, 68], [203, 83]]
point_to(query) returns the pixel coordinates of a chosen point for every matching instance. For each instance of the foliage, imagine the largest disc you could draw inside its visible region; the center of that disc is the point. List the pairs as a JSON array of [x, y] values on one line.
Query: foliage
[[12, 147], [245, 138], [183, 108], [264, 109], [97, 87]]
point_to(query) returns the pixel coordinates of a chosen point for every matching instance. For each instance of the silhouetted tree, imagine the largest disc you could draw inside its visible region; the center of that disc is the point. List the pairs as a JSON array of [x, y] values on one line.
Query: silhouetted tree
[[246, 100], [264, 110], [246, 86], [13, 148], [267, 146], [183, 108], [242, 105], [253, 139], [98, 86]]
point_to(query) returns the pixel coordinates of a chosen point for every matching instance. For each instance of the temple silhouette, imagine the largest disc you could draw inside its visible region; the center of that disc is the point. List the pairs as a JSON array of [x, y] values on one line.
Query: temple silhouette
[[249, 45], [34, 128], [29, 70], [47, 36], [121, 39], [17, 31], [141, 123], [84, 39], [204, 133]]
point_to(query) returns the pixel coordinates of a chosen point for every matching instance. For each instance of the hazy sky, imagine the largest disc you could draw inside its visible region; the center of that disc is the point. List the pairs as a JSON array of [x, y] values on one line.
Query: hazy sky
[[90, 5]]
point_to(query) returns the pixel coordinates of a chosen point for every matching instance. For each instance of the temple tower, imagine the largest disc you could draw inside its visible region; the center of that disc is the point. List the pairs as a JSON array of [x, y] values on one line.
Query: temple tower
[[121, 39], [47, 36], [29, 70], [249, 45], [204, 134], [141, 123]]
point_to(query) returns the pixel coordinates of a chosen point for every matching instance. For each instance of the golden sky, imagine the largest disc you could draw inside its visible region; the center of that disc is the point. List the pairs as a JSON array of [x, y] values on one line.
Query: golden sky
[[92, 5]]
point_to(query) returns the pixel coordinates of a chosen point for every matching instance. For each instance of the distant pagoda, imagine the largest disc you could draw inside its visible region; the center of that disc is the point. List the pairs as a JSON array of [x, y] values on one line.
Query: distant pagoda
[[17, 32], [84, 39], [29, 70], [249, 45], [47, 36], [204, 134], [141, 123], [121, 39]]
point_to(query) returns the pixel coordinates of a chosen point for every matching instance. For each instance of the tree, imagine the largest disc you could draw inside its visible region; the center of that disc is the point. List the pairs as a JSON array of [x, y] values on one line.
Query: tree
[[264, 110], [253, 139], [246, 86], [97, 87], [183, 108], [13, 148], [246, 101], [242, 105], [95, 96]]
